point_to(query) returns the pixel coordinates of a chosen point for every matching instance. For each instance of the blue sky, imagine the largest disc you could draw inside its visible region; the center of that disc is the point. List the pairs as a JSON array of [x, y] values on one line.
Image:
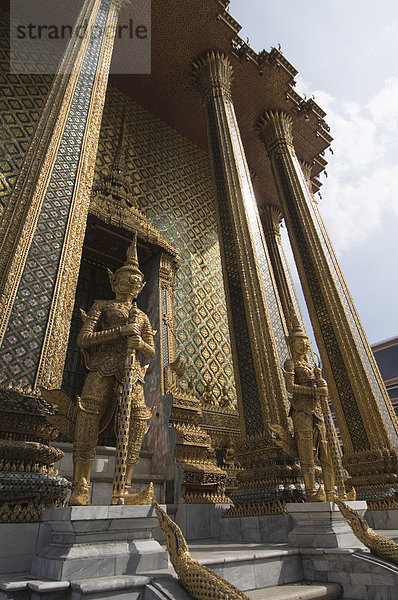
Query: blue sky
[[346, 53]]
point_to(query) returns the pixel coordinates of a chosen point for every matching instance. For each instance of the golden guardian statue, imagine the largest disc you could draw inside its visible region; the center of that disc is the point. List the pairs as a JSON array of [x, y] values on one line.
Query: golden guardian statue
[[120, 330], [305, 383]]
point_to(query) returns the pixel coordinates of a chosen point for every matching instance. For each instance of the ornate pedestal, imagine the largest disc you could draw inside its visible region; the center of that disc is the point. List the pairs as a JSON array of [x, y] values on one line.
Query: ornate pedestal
[[29, 482], [321, 525], [99, 541]]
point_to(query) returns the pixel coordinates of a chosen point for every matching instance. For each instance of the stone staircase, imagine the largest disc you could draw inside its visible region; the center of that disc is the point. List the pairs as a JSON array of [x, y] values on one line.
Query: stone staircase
[[298, 591], [261, 573], [168, 589], [111, 555]]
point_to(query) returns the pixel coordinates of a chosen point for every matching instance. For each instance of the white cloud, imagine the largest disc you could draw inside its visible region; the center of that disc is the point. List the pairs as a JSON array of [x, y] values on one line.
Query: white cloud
[[383, 108], [355, 211], [360, 191]]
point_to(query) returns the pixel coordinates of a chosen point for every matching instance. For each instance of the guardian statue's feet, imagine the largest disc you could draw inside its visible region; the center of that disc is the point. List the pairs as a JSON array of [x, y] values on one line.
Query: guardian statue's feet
[[80, 494]]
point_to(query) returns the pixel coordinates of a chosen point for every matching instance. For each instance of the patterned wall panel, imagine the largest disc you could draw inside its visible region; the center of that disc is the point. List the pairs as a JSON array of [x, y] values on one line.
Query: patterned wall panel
[[172, 182], [23, 339], [22, 97]]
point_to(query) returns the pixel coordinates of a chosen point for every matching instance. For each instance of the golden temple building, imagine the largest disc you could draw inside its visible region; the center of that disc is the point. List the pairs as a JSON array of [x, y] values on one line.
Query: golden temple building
[[202, 157]]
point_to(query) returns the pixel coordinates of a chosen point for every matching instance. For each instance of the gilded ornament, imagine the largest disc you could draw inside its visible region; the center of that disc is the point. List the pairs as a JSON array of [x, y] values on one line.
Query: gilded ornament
[[28, 481], [225, 400], [199, 581], [204, 481], [305, 383], [121, 330], [208, 397], [377, 544], [145, 497]]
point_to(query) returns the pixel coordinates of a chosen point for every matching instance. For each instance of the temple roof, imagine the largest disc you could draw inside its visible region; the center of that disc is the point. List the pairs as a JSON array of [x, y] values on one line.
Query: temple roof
[[262, 81]]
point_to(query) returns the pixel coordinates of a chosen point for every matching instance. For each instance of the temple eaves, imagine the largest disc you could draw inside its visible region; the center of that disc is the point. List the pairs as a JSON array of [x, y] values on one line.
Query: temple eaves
[[262, 81]]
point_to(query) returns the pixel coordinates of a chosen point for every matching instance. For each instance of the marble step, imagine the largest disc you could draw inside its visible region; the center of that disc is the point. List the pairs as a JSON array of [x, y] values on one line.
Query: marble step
[[122, 587], [250, 566], [298, 591]]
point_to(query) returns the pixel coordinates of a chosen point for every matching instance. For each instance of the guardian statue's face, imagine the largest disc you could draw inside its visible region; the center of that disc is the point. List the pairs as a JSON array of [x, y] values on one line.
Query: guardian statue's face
[[127, 283], [301, 346]]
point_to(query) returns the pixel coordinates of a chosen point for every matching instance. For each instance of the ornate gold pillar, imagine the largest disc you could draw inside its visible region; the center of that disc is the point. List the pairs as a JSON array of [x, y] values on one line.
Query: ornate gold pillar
[[368, 425], [256, 322], [271, 217], [167, 270], [43, 227]]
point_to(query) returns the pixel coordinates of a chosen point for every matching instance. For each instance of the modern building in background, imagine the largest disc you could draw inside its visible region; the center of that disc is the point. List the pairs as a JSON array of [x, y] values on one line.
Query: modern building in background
[[386, 354]]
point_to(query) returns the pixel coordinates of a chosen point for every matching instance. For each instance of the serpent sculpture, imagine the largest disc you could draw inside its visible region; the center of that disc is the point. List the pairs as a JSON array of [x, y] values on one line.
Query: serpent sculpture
[[199, 581], [376, 543]]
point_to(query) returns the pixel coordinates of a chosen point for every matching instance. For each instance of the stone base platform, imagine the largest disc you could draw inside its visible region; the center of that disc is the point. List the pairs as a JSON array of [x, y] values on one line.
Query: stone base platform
[[168, 588], [301, 591], [321, 525], [200, 521], [205, 522], [267, 528], [108, 552], [123, 587], [99, 541], [382, 519], [251, 567], [19, 543], [103, 472], [361, 575]]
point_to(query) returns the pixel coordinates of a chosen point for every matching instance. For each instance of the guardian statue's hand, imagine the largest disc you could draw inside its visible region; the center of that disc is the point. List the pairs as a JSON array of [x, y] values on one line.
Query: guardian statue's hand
[[321, 391], [129, 330]]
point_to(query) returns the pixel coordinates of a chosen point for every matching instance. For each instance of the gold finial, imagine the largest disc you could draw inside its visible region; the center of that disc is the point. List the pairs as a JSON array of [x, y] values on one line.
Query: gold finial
[[131, 254], [131, 264], [295, 329]]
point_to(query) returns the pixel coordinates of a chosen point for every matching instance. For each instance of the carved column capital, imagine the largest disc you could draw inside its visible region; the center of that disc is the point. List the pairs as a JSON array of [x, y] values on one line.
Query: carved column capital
[[275, 129], [306, 168], [271, 217], [213, 74]]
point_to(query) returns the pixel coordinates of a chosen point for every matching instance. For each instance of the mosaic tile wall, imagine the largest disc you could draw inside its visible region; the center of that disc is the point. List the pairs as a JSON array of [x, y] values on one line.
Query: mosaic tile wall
[[171, 178], [22, 98], [172, 181], [26, 327]]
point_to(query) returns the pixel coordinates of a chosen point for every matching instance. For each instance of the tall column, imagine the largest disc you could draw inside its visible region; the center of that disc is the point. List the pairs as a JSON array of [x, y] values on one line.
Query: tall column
[[368, 425], [271, 217], [256, 322], [43, 227]]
